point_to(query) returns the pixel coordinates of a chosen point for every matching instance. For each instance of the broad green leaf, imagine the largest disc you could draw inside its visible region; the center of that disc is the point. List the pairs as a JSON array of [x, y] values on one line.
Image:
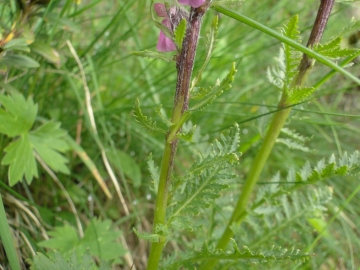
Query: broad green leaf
[[179, 33], [62, 239], [99, 238], [129, 166], [69, 261], [152, 55], [19, 61], [20, 158], [18, 116], [47, 52], [48, 141]]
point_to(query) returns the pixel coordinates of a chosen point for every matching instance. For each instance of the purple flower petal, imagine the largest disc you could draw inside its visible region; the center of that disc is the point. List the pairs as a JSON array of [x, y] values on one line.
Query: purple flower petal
[[160, 9], [192, 3], [165, 44]]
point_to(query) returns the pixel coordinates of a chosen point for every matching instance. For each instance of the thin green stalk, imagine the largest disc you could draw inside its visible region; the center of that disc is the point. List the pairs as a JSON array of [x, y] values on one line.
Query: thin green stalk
[[8, 242], [275, 127], [258, 164], [318, 57]]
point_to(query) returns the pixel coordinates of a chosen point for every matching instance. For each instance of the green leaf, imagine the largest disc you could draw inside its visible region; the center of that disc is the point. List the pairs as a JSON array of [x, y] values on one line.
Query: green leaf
[[152, 55], [19, 61], [98, 238], [292, 56], [18, 116], [129, 166], [353, 26], [299, 94], [293, 144], [47, 52], [216, 90], [333, 50], [210, 46], [166, 121], [17, 42], [154, 172], [204, 183], [164, 29], [71, 261], [188, 136], [48, 140], [150, 237], [20, 158], [62, 239], [179, 33], [143, 120], [270, 254], [3, 68]]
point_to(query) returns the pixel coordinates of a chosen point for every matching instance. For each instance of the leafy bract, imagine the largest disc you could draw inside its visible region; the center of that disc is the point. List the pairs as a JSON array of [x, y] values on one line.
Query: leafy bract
[[143, 120], [179, 33], [17, 115]]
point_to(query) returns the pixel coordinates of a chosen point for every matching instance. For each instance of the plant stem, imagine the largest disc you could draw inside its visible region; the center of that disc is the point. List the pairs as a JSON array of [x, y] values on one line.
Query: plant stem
[[8, 242], [184, 66], [273, 132]]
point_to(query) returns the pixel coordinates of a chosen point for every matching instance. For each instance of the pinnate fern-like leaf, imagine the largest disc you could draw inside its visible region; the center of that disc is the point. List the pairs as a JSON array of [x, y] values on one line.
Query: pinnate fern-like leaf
[[332, 49], [205, 181], [322, 171], [292, 56], [237, 254], [143, 120], [215, 91]]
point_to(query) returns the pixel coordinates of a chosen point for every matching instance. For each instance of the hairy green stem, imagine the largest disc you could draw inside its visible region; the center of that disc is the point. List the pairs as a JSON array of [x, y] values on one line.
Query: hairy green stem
[[273, 132], [184, 65], [8, 242]]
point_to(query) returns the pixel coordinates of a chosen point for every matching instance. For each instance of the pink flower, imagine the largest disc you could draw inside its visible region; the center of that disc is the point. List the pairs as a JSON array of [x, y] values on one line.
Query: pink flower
[[192, 3], [164, 44]]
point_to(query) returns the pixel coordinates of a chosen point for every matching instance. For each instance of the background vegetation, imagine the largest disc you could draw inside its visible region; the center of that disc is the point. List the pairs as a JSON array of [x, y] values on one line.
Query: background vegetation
[[87, 80]]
